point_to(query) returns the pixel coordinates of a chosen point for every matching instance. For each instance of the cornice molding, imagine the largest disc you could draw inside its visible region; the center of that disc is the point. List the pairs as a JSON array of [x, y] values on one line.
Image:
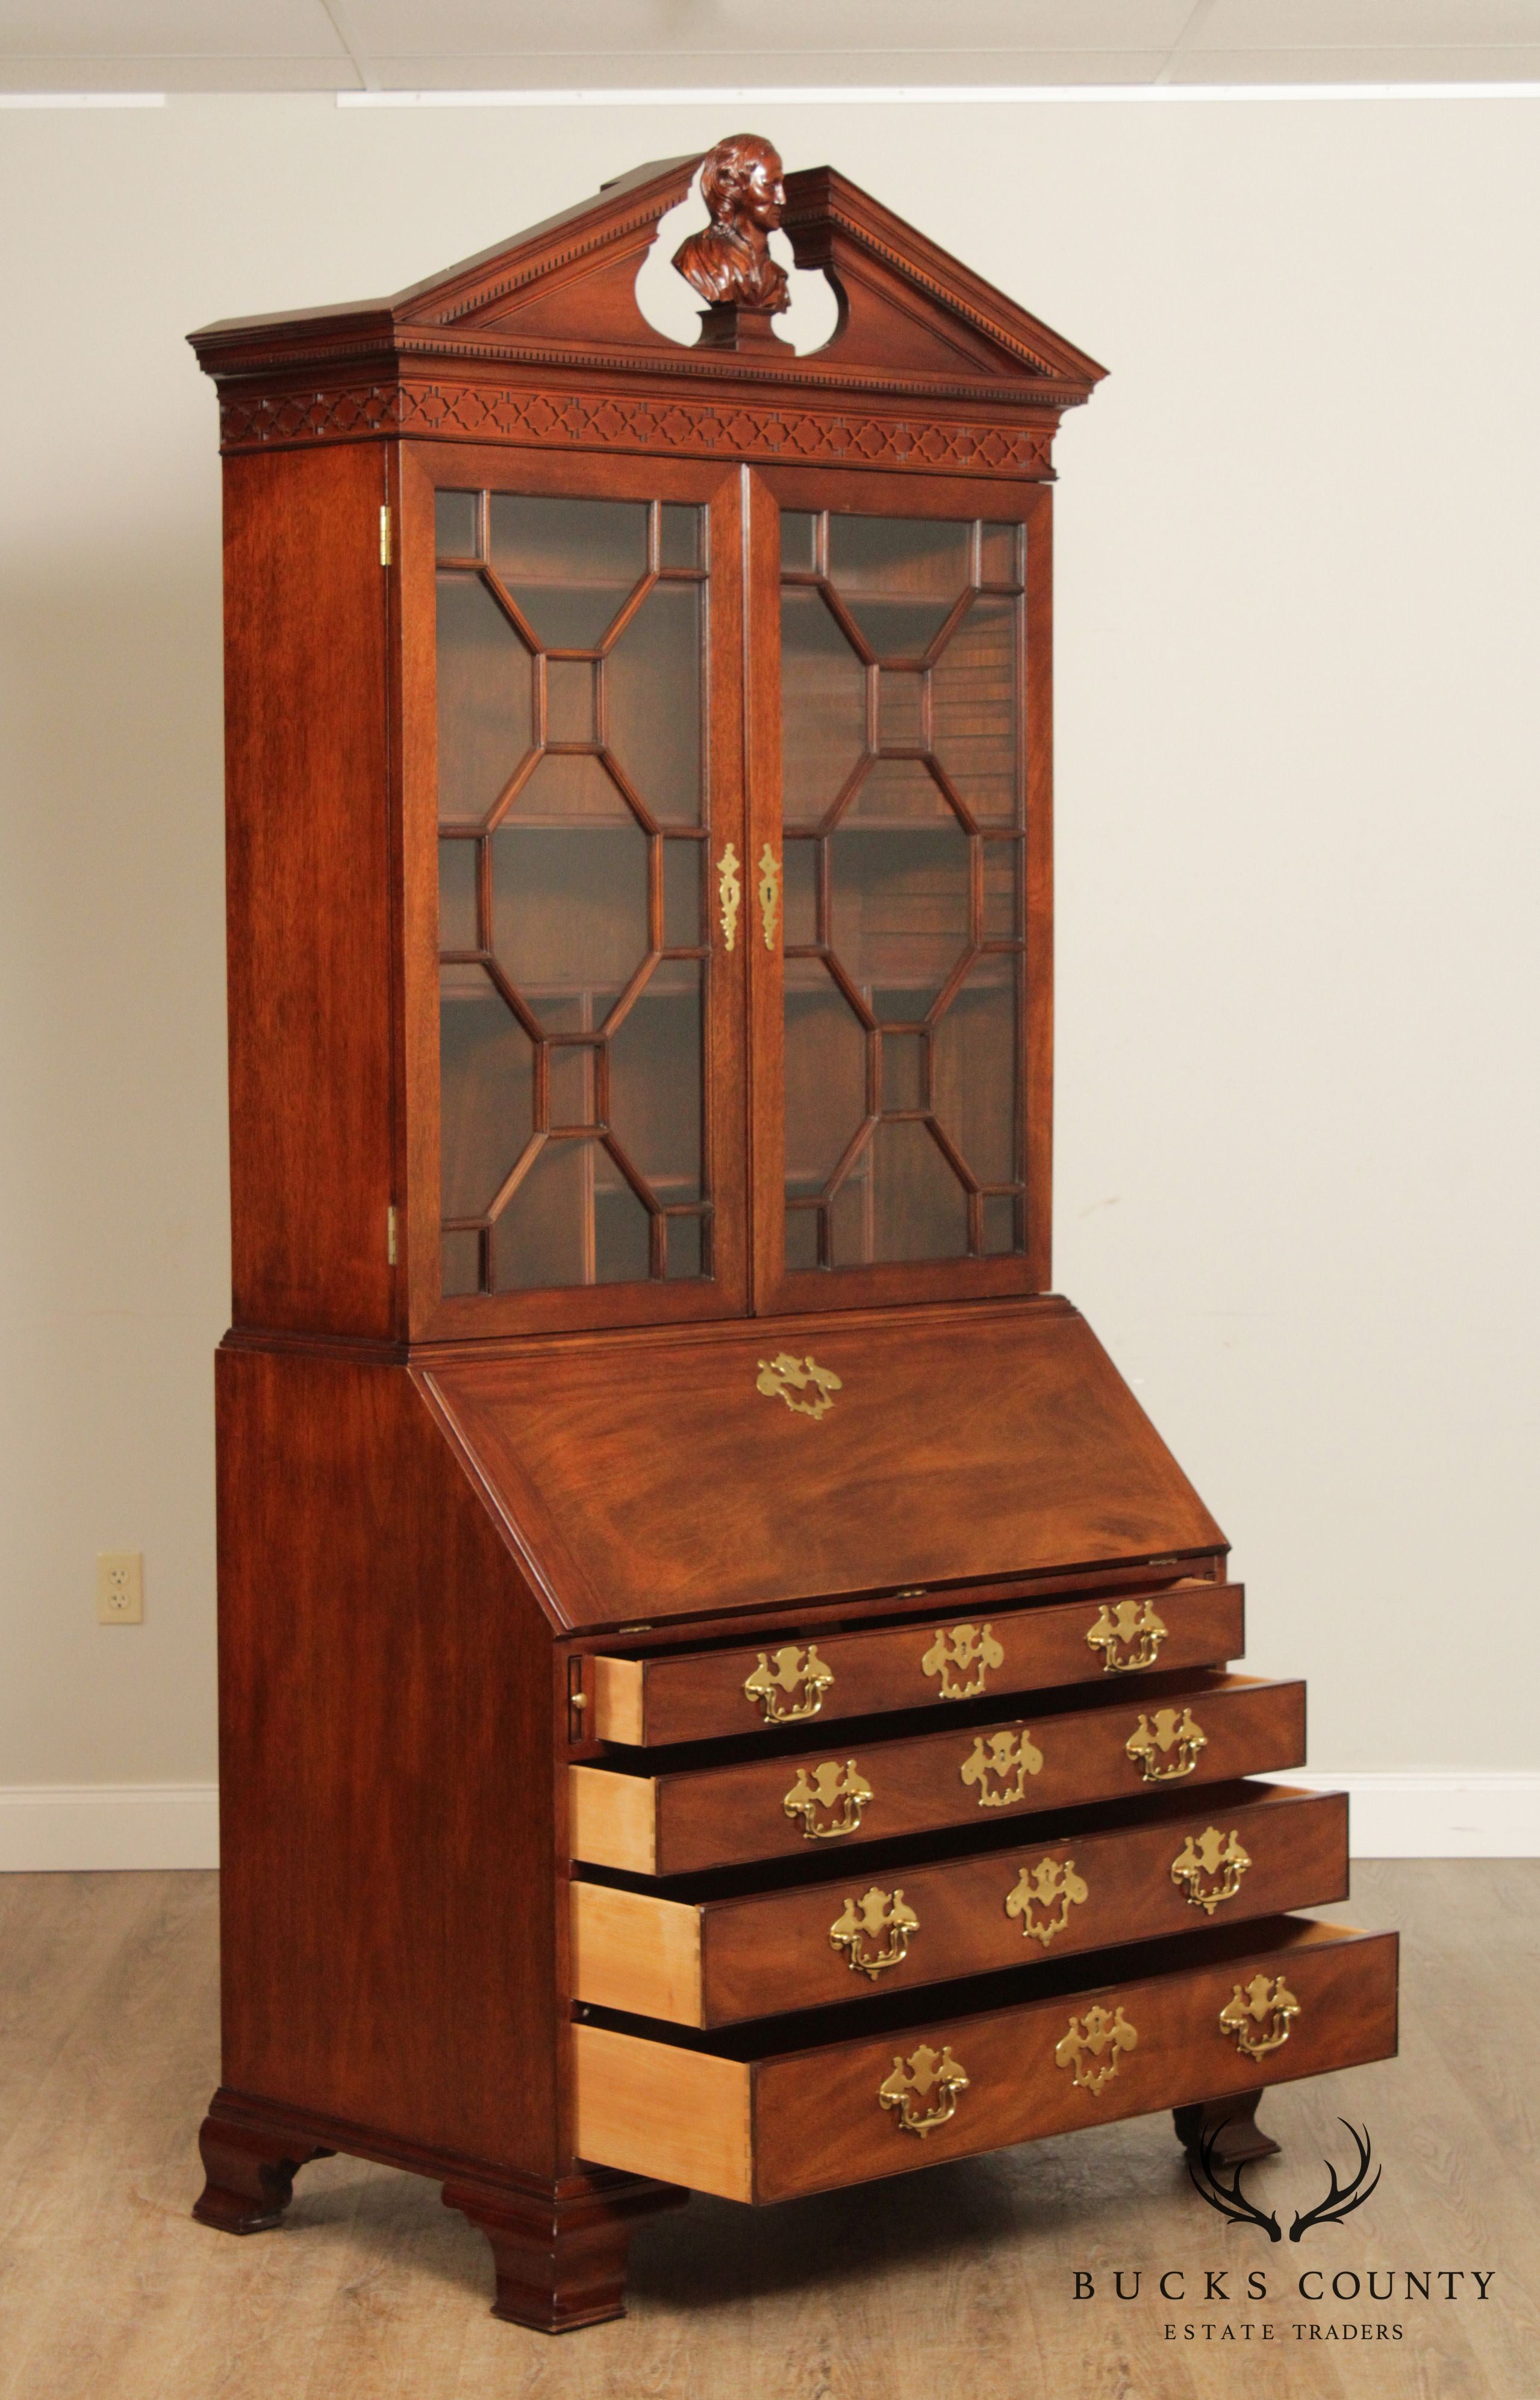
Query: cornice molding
[[479, 412]]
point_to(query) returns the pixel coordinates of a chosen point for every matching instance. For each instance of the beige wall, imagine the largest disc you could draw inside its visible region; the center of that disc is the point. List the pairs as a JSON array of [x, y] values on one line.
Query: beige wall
[[1299, 538]]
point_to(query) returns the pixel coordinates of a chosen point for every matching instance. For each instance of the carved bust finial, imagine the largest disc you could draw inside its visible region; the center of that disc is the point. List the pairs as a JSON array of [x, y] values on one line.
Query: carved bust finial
[[729, 263]]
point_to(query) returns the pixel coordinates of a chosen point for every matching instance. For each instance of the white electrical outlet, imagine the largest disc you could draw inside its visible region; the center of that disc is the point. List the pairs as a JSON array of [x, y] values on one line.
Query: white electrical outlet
[[120, 1587]]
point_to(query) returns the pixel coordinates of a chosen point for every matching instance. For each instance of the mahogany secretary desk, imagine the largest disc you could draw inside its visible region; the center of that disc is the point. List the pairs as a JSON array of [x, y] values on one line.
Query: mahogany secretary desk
[[722, 1686]]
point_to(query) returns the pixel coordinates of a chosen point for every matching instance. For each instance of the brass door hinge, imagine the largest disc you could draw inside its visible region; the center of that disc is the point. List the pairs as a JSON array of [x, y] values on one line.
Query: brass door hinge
[[389, 1237], [386, 544]]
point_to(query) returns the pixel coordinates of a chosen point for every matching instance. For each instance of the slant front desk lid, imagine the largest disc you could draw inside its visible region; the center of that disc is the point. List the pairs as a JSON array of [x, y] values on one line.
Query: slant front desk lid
[[745, 1465]]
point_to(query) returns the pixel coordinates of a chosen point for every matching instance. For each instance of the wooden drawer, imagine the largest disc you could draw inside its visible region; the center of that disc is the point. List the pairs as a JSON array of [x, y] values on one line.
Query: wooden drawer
[[1211, 1730], [791, 2107], [713, 1693], [1115, 1876]]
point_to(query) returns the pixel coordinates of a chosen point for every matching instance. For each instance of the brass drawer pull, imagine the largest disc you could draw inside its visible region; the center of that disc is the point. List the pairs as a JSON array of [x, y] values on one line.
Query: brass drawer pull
[[1094, 2047], [914, 2079], [878, 1917], [963, 1657], [1258, 2014], [825, 1788], [782, 1377], [1127, 1636], [1208, 1870], [1167, 1746], [1052, 1886], [729, 895], [1000, 1766], [777, 1688]]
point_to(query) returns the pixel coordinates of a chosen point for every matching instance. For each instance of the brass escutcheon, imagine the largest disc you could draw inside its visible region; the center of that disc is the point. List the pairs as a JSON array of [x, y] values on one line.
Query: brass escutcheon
[[963, 1656], [881, 1919], [1128, 1634], [915, 2078], [1209, 1867], [730, 895], [1094, 2046], [782, 1377], [1258, 2014], [1000, 1764], [1052, 1887], [1167, 1746], [769, 893], [825, 1789], [776, 1687]]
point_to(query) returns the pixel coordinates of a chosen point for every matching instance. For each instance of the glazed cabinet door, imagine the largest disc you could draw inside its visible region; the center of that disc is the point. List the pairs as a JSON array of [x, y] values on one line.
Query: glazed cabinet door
[[573, 815], [899, 779]]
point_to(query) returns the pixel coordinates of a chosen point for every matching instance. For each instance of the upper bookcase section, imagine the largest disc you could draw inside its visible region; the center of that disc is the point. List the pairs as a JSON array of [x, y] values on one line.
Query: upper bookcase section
[[540, 340]]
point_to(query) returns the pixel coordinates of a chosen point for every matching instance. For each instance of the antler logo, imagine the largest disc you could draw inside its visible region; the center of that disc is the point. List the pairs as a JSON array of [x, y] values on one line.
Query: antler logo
[[962, 1658], [1043, 1896], [775, 1687], [1127, 1634], [1232, 2201], [874, 1933], [1000, 1764]]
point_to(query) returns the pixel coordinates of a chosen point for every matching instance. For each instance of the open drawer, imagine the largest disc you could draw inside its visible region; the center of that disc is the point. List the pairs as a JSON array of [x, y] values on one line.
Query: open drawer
[[802, 2105], [1018, 1896], [982, 1645], [1209, 1730]]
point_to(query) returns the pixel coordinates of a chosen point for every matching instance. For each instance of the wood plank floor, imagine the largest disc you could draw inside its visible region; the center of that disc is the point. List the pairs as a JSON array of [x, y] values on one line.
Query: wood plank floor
[[959, 2281]]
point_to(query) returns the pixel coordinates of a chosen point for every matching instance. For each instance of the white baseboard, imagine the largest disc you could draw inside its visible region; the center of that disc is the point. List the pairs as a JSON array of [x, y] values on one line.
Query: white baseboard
[[54, 1828], [1442, 1812]]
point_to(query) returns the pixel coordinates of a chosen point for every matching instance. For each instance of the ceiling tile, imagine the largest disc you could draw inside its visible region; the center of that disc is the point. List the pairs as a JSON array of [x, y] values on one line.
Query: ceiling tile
[[205, 29], [1336, 25], [556, 71], [662, 29], [1349, 66]]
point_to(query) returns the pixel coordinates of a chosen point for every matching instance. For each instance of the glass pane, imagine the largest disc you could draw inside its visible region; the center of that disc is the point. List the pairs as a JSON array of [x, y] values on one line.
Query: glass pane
[[457, 895], [898, 912], [652, 689], [682, 861], [825, 1068], [486, 1090], [1001, 903], [801, 1240], [899, 576], [569, 565], [570, 1069], [455, 524], [899, 791], [1000, 1220], [799, 894], [900, 719], [851, 1220], [685, 1250], [975, 1070], [920, 1210], [680, 537], [655, 1080], [799, 537], [461, 1264], [485, 697], [822, 706], [903, 1070], [541, 1237], [623, 1240], [974, 687], [571, 700], [1000, 551], [569, 912]]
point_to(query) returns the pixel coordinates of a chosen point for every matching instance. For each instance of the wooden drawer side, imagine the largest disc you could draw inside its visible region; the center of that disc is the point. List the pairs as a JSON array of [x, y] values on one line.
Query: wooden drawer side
[[637, 1953], [682, 2116]]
